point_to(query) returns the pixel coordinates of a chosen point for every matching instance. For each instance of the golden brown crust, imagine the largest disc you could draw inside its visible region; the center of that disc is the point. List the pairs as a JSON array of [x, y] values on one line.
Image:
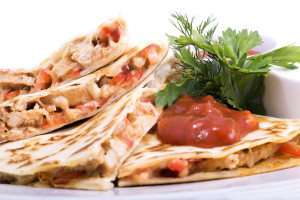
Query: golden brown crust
[[94, 149], [268, 165], [153, 154]]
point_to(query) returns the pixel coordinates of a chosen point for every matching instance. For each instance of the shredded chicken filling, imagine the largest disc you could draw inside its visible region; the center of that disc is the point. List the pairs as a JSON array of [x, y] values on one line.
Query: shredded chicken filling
[[69, 64], [182, 168], [55, 110]]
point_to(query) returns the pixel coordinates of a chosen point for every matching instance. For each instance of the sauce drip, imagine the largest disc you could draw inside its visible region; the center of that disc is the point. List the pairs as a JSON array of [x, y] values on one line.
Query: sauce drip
[[204, 122]]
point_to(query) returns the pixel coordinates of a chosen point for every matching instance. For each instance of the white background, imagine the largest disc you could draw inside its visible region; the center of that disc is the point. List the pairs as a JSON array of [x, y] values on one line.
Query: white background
[[31, 30]]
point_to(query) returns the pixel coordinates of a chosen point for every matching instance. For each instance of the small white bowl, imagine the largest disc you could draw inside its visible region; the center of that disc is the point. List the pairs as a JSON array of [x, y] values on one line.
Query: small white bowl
[[282, 93], [269, 44], [282, 87]]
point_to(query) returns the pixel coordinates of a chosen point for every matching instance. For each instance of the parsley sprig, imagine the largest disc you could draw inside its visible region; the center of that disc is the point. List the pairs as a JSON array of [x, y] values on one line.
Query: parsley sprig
[[228, 74]]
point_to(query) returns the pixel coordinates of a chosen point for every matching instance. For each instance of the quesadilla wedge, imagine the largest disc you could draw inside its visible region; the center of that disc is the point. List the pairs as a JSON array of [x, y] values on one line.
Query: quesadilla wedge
[[86, 156], [41, 112], [154, 162], [74, 59]]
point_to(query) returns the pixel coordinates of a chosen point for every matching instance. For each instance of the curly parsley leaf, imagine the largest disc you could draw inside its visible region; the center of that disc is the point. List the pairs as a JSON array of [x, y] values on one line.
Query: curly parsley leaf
[[228, 74], [172, 91], [285, 56]]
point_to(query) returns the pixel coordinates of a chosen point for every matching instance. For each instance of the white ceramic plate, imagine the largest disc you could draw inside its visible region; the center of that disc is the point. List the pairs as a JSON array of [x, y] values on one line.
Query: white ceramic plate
[[32, 29], [282, 184]]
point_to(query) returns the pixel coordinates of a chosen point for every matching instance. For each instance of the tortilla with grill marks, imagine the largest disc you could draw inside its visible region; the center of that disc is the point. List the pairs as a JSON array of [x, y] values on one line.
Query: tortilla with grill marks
[[37, 113], [76, 58], [150, 162], [86, 156]]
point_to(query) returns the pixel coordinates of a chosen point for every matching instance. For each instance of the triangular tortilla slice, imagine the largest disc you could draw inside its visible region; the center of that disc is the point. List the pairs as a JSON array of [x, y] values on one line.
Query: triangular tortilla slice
[[154, 162], [76, 58], [86, 156], [41, 112]]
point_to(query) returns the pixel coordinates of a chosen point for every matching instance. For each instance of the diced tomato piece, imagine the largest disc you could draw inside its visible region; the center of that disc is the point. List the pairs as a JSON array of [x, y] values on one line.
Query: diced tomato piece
[[290, 148], [126, 77], [178, 165], [115, 34], [113, 31], [87, 106], [10, 95], [43, 79], [151, 53], [144, 100], [118, 79], [67, 177], [105, 30], [252, 52], [102, 36], [119, 26], [102, 102], [44, 76], [55, 119], [103, 33], [75, 73], [137, 76], [59, 80]]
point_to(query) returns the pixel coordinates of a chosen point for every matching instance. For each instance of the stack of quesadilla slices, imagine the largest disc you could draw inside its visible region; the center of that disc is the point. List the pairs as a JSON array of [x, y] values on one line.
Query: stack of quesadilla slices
[[85, 156], [76, 58], [99, 77], [97, 74], [41, 112]]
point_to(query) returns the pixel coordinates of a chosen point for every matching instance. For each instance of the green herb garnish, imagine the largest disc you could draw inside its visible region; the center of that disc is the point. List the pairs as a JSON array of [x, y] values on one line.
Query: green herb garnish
[[229, 75]]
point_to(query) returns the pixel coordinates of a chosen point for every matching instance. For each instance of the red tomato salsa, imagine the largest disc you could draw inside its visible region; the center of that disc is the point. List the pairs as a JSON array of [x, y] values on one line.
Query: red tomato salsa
[[204, 122]]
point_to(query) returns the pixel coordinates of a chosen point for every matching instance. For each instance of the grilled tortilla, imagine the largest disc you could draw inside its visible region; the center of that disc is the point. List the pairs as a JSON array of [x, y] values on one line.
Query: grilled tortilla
[[41, 112], [74, 59], [153, 162], [86, 156]]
